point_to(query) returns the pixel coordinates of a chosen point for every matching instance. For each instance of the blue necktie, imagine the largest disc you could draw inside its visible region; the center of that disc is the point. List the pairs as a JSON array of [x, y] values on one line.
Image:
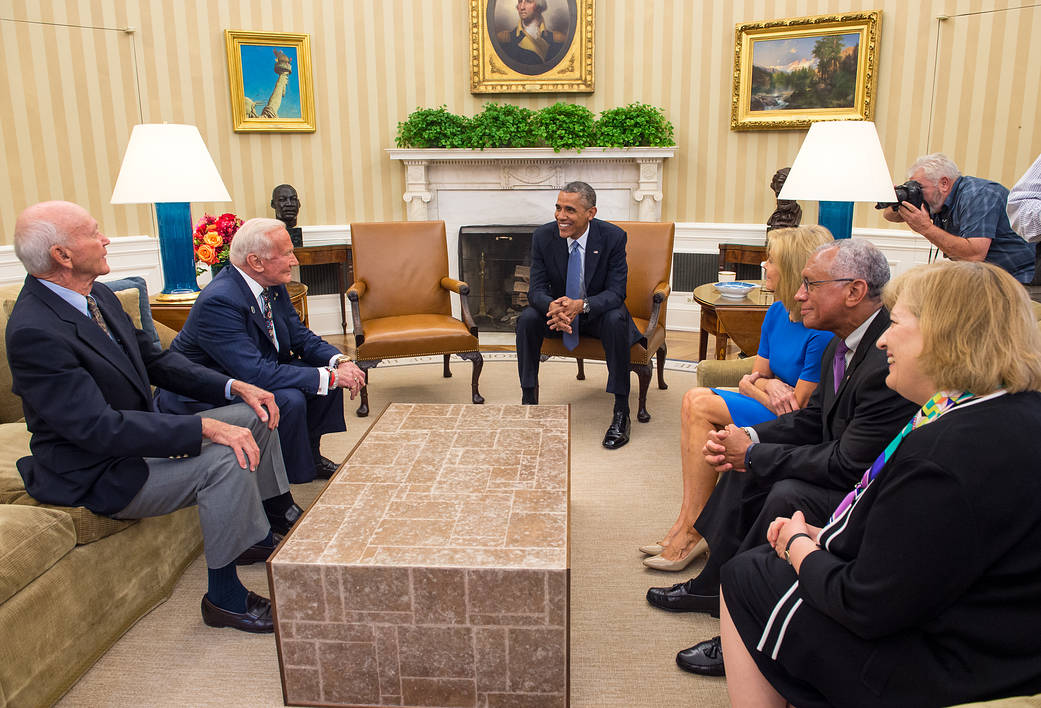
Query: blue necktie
[[573, 289]]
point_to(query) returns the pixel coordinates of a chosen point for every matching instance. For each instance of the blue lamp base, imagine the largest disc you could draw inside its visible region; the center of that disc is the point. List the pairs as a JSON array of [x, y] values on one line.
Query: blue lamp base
[[176, 251], [836, 217]]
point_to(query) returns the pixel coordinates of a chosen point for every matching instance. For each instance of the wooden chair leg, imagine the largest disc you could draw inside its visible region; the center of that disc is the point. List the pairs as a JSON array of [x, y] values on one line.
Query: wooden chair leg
[[477, 360], [643, 373], [448, 372], [363, 407], [660, 355], [581, 370]]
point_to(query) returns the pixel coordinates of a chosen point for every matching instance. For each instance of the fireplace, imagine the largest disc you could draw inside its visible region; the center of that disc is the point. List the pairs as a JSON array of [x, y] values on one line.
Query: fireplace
[[495, 262]]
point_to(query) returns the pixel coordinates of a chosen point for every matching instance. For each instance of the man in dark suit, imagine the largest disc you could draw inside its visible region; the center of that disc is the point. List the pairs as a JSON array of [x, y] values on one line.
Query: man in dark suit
[[578, 278], [84, 374], [243, 325], [805, 460]]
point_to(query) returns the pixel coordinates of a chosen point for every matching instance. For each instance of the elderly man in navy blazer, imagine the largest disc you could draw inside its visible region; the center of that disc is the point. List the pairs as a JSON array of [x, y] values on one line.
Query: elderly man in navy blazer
[[577, 285], [84, 374], [243, 324]]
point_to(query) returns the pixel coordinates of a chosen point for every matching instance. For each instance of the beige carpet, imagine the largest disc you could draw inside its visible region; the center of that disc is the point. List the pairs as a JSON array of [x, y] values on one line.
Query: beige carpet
[[622, 650]]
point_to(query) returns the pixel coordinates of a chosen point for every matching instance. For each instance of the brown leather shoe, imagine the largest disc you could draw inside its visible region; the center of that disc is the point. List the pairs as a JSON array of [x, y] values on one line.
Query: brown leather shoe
[[256, 618]]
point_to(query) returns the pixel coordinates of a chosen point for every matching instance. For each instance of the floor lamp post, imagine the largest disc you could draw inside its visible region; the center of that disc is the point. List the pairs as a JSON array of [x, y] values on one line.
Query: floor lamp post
[[840, 162], [168, 165]]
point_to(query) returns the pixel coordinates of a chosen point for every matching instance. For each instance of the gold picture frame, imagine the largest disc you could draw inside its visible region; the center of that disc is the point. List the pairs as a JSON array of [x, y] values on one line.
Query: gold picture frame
[[778, 83], [260, 102], [505, 59]]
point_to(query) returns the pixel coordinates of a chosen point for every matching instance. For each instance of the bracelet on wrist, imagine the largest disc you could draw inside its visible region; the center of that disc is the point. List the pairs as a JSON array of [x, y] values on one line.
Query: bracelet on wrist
[[788, 548], [332, 377]]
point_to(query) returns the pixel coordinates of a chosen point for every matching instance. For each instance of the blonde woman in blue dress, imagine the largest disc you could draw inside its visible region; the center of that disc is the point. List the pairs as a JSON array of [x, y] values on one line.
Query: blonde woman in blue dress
[[787, 370]]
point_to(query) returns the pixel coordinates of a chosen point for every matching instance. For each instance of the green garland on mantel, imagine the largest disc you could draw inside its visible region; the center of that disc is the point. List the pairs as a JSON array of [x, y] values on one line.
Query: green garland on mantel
[[562, 126]]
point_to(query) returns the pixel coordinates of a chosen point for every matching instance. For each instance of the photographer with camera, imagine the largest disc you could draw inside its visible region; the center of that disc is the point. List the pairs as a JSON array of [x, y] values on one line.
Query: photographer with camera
[[964, 217]]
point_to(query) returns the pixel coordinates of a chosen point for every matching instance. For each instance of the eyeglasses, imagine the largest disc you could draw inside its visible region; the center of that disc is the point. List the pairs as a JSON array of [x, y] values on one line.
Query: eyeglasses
[[810, 284]]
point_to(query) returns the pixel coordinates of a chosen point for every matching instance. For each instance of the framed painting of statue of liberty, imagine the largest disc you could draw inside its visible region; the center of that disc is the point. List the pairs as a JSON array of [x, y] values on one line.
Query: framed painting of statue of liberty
[[790, 73], [270, 79]]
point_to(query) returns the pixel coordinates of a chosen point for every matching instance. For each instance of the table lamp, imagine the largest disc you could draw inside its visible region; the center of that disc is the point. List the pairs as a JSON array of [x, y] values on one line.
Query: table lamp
[[840, 162], [168, 165]]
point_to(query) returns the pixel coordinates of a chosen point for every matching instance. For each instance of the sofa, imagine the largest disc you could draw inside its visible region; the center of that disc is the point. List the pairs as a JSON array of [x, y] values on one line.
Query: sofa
[[71, 582]]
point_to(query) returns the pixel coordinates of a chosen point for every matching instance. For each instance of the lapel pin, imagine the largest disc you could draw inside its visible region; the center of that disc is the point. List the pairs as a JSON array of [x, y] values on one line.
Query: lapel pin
[[253, 310]]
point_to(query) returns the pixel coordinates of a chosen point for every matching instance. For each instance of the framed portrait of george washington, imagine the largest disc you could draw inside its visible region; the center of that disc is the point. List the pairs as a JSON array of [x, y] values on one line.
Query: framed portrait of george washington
[[270, 78], [531, 46], [790, 73]]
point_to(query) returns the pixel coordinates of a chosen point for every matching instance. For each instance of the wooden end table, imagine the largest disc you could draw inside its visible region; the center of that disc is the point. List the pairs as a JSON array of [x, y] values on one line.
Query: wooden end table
[[173, 314], [339, 253], [728, 318]]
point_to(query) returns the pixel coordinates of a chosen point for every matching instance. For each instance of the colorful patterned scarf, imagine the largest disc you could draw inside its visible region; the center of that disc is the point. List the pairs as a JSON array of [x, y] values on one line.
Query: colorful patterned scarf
[[934, 408]]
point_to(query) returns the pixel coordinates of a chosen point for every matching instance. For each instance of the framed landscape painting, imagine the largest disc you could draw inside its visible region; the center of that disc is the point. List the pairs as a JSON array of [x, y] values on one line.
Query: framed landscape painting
[[270, 78], [531, 46], [790, 73]]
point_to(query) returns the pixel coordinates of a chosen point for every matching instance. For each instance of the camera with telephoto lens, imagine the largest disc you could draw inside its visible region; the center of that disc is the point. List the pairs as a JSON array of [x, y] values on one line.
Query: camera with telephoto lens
[[910, 192]]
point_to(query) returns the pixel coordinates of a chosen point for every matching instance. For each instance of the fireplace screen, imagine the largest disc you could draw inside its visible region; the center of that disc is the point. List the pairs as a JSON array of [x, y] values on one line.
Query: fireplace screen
[[495, 262]]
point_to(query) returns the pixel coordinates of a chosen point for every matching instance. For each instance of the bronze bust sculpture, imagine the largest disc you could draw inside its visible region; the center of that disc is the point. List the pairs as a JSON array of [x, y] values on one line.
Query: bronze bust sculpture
[[788, 212], [286, 204]]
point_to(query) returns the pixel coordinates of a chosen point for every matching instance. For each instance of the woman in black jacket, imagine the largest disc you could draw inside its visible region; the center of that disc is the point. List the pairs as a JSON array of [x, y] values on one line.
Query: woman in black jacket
[[924, 588]]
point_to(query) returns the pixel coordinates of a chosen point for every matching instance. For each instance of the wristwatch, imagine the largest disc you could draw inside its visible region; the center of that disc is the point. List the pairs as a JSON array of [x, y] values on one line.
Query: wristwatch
[[585, 307], [342, 358]]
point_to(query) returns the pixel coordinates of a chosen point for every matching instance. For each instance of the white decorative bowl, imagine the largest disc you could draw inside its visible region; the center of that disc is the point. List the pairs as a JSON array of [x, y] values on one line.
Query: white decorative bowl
[[735, 289]]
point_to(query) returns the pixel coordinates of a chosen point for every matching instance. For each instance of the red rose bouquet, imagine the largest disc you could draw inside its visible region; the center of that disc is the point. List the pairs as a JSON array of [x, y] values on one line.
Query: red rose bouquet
[[212, 239]]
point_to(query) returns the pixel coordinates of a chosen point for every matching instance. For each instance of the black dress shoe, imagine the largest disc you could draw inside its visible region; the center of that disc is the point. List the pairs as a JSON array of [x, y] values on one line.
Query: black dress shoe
[[256, 553], [679, 598], [324, 468], [618, 432], [256, 618], [282, 523], [704, 658]]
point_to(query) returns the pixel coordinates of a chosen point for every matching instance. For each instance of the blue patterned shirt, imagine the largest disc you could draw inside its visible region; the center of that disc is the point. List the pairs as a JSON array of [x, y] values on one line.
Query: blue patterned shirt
[[975, 208]]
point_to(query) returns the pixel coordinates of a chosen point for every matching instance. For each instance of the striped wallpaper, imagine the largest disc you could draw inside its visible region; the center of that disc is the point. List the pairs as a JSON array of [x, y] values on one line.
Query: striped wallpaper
[[76, 84]]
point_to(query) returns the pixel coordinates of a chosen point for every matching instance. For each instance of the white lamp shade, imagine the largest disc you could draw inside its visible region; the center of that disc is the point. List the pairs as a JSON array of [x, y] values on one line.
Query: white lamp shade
[[168, 163], [840, 161]]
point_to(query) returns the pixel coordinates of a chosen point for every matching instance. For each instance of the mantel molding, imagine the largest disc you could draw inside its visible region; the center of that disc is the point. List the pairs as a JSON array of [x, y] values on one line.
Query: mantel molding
[[465, 155]]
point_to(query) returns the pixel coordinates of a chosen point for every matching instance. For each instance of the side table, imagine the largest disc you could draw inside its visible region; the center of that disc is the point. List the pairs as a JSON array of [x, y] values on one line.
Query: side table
[[173, 314], [339, 253], [740, 320]]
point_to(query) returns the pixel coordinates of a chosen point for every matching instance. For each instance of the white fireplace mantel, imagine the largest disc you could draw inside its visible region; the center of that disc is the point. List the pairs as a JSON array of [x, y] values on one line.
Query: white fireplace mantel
[[630, 178]]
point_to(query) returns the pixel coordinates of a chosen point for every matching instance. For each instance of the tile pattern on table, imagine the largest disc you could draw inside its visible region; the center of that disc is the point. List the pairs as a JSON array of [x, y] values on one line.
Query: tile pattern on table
[[362, 636], [446, 485], [432, 570]]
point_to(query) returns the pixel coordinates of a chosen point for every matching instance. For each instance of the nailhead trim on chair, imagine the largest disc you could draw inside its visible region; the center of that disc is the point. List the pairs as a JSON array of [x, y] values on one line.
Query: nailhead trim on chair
[[409, 356]]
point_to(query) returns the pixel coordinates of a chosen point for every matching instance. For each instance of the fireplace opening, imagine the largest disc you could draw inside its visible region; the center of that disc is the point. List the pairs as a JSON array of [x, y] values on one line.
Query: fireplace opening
[[496, 261]]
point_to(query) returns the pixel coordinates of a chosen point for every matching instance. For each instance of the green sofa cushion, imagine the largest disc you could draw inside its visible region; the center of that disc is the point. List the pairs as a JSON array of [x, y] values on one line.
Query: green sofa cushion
[[32, 539]]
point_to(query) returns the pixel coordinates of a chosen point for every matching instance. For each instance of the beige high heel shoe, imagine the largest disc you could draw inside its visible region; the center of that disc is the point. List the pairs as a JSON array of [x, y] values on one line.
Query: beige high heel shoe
[[659, 563], [651, 549]]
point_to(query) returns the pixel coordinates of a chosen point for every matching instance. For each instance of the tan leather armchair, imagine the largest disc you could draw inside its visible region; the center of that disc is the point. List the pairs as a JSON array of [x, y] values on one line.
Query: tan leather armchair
[[648, 252], [400, 299]]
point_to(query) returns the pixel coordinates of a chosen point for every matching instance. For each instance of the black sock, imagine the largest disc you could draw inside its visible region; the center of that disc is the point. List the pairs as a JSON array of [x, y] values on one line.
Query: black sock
[[316, 450], [621, 403], [529, 397], [269, 540], [225, 590], [707, 581], [277, 506]]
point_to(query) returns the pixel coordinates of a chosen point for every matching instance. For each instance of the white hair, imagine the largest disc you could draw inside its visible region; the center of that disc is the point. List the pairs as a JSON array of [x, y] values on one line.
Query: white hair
[[33, 242], [935, 166], [252, 237]]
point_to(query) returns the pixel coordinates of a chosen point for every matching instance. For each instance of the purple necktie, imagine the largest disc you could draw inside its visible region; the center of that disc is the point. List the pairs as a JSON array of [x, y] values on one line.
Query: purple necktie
[[838, 367]]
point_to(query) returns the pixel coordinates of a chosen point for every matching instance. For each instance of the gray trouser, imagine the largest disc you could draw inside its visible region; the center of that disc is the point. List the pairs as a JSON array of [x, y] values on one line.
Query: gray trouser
[[229, 497]]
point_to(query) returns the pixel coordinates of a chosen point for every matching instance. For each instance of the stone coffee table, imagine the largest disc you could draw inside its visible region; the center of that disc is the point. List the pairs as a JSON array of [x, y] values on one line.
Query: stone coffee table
[[433, 570]]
